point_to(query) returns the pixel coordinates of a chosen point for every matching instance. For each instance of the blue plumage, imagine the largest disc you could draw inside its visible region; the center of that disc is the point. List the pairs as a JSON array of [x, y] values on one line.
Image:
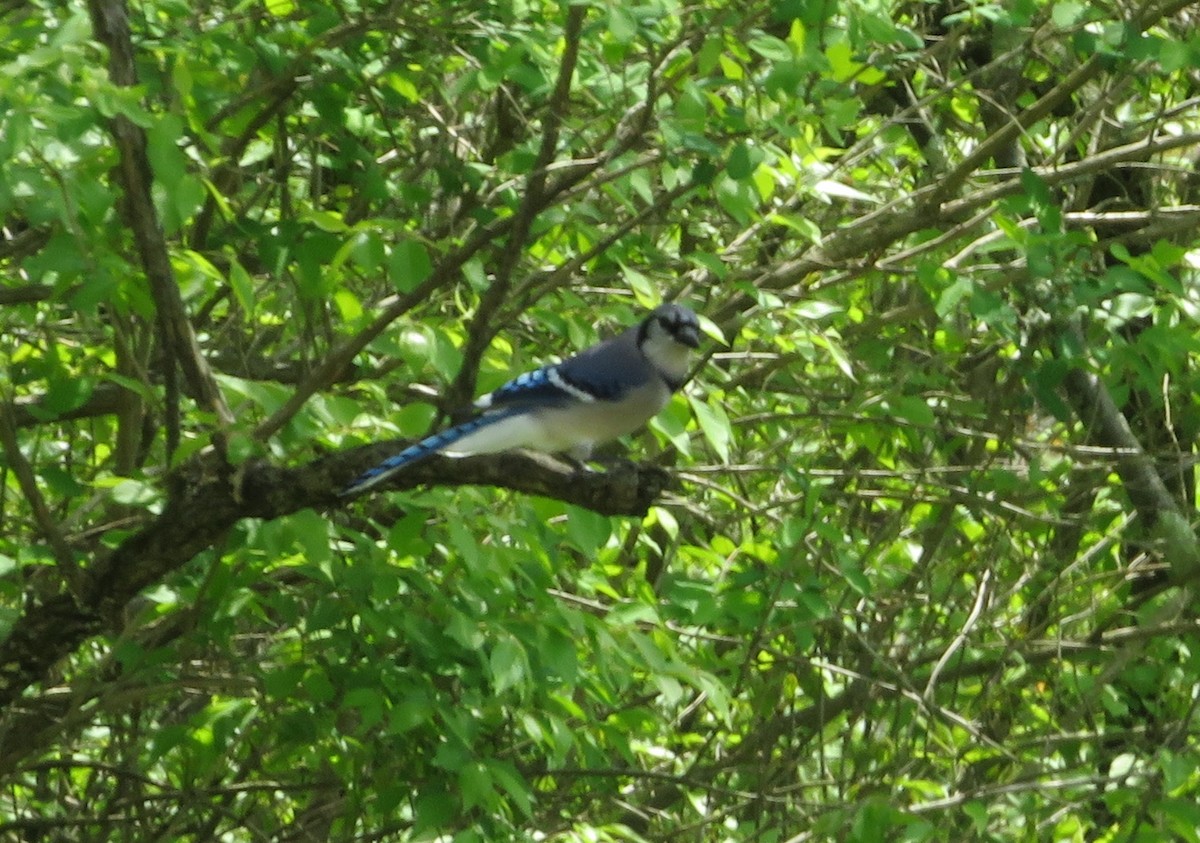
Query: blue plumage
[[603, 392], [426, 447], [534, 387]]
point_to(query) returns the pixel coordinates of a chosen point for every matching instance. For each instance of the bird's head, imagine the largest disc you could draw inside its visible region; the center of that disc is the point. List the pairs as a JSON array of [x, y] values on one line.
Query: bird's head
[[667, 337]]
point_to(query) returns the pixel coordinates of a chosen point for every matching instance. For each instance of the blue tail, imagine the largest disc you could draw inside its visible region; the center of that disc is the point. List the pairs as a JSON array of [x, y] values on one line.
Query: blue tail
[[427, 447]]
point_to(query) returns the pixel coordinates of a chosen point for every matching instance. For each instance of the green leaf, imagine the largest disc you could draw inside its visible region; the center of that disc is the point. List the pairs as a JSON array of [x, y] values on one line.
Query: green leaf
[[311, 532], [475, 786], [510, 781], [64, 394], [802, 225], [436, 806], [950, 298], [1066, 13], [738, 198], [267, 396], [731, 68], [317, 686], [349, 306], [1035, 187], [507, 664], [672, 423], [242, 285], [843, 67], [647, 293], [621, 23], [588, 531], [1182, 817], [836, 353], [129, 492], [414, 709], [370, 704], [771, 48], [409, 265], [743, 159], [325, 220], [714, 424]]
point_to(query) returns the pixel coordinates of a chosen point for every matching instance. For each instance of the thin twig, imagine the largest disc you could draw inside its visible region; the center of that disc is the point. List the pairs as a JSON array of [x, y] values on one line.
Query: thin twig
[[28, 482]]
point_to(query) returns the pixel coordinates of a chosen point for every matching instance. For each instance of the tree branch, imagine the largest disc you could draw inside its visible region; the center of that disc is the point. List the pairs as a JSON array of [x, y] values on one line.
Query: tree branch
[[207, 500], [28, 482], [483, 326], [25, 295], [111, 25], [1159, 511]]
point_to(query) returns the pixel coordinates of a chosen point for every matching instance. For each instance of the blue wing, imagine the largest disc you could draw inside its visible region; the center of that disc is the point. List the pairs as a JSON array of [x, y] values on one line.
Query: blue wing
[[604, 372], [539, 388]]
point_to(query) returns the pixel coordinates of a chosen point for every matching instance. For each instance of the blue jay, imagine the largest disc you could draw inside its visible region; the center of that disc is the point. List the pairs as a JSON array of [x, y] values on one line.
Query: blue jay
[[601, 393]]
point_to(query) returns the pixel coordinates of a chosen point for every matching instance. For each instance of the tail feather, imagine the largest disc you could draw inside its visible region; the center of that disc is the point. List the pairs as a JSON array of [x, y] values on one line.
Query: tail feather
[[427, 447]]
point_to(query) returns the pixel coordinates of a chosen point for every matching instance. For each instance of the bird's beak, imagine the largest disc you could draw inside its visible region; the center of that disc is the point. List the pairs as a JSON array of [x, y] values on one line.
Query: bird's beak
[[689, 335]]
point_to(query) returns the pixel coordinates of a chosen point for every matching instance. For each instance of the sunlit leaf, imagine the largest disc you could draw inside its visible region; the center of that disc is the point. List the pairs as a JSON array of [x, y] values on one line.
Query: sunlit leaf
[[714, 424], [409, 265]]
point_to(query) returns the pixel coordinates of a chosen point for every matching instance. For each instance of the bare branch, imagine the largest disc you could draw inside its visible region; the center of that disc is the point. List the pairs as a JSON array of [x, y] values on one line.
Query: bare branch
[[29, 487]]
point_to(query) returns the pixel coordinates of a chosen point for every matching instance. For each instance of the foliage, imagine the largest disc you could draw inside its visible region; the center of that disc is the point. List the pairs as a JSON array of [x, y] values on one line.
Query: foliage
[[925, 570]]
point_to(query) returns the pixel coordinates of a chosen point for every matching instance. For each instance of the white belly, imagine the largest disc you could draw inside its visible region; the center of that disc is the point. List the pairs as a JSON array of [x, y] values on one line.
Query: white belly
[[575, 428]]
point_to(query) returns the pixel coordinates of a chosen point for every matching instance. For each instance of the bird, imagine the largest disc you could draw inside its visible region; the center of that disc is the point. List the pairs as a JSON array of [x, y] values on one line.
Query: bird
[[606, 391]]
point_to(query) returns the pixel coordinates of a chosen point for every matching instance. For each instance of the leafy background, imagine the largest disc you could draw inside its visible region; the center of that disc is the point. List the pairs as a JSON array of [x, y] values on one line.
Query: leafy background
[[911, 559]]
